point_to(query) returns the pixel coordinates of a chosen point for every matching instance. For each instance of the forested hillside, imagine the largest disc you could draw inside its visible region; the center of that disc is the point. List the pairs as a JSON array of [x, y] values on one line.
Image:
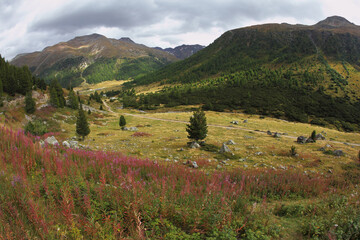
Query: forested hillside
[[17, 80], [297, 72]]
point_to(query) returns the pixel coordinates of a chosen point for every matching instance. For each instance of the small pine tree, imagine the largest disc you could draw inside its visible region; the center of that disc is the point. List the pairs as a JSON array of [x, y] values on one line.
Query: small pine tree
[[82, 125], [313, 135], [73, 100], [197, 129], [101, 107], [29, 103], [122, 122]]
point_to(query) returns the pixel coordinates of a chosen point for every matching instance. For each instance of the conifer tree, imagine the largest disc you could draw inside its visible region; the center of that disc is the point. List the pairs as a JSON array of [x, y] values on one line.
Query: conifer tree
[[59, 93], [197, 129], [82, 125], [29, 103], [313, 135], [122, 122], [54, 101], [73, 100]]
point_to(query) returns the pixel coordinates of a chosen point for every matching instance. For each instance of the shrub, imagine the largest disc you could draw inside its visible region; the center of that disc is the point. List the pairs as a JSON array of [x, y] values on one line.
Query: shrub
[[293, 151], [36, 128]]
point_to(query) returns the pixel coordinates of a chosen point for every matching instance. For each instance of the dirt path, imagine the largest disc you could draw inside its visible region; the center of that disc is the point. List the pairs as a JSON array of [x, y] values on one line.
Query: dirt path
[[226, 127], [108, 107]]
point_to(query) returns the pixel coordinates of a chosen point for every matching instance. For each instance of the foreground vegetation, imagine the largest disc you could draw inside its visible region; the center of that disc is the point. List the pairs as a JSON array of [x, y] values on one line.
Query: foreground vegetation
[[59, 193]]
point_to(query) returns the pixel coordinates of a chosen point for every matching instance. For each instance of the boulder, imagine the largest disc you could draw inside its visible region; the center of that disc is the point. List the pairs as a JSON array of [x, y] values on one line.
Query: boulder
[[301, 139], [277, 135], [245, 121], [194, 145], [338, 153], [51, 141], [194, 164], [235, 122], [319, 136], [310, 140], [269, 132], [66, 144], [74, 144], [230, 142], [225, 149], [125, 129]]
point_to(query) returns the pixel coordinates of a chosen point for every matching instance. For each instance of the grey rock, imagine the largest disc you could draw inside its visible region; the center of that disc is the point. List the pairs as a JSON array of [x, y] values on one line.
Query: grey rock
[[310, 140], [339, 153], [225, 149], [245, 166], [66, 144], [330, 171], [259, 153], [218, 166], [74, 144], [277, 135], [245, 121], [269, 132], [301, 140], [248, 137], [322, 149], [133, 129], [194, 145], [235, 122], [282, 167], [328, 146], [230, 142], [51, 141], [319, 136], [125, 129]]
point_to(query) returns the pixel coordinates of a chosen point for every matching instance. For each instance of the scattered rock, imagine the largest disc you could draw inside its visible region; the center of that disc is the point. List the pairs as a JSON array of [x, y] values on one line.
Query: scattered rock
[[330, 171], [245, 121], [74, 144], [218, 167], [282, 167], [338, 153], [277, 135], [269, 132], [235, 122], [328, 146], [42, 143], [301, 140], [181, 149], [194, 145], [319, 136], [51, 140], [225, 149], [245, 166], [259, 153], [322, 149], [66, 144], [230, 142], [310, 140]]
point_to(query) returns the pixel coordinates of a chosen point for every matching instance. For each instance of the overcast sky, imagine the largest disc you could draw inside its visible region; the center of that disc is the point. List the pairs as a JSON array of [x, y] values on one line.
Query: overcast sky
[[31, 25]]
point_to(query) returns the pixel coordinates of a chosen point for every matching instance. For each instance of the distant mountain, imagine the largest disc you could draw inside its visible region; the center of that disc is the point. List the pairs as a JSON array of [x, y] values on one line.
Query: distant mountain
[[297, 72], [183, 51], [93, 58]]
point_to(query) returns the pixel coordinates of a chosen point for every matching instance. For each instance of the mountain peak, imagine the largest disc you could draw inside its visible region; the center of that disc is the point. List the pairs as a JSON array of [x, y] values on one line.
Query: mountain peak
[[335, 22], [126, 39]]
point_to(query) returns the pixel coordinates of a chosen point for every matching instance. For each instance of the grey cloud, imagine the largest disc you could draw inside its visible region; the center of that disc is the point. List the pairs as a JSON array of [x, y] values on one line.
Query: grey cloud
[[194, 15]]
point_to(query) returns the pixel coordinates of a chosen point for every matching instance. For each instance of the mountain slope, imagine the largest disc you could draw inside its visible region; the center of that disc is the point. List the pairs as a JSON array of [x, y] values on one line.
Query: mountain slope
[[80, 58], [298, 72], [183, 51]]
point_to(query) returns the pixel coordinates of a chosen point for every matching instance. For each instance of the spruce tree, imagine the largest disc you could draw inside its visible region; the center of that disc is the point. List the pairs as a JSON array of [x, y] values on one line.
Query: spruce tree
[[197, 129], [82, 125], [73, 100], [122, 122], [59, 93], [54, 101], [313, 135], [29, 103]]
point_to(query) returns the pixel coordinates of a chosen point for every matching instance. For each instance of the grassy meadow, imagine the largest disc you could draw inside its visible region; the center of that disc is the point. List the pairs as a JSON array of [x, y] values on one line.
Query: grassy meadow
[[141, 184]]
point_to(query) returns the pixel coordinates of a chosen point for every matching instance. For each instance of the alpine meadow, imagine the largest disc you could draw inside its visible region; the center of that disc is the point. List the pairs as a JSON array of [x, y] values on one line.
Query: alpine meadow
[[254, 136]]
